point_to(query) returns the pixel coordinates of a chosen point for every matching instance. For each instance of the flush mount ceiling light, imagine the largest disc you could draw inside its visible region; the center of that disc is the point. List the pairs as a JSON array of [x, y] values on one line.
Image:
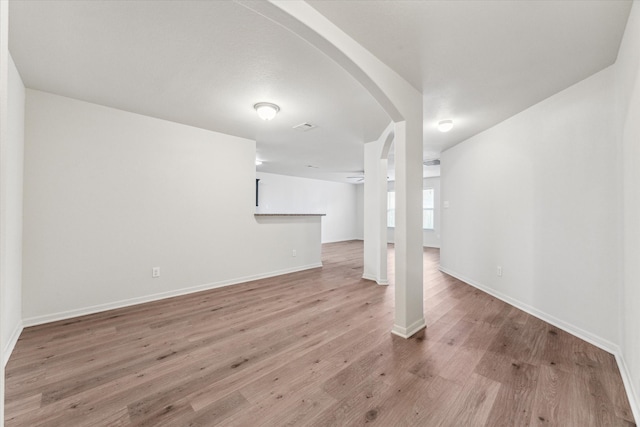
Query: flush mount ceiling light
[[258, 162], [266, 110], [445, 125]]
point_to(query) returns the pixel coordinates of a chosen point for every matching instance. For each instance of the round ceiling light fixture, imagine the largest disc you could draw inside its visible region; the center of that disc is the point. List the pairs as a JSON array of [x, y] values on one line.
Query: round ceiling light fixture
[[258, 162], [266, 110], [445, 125]]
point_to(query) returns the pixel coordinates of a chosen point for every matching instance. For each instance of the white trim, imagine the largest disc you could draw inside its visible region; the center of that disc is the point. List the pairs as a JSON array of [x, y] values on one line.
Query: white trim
[[407, 332], [39, 320], [366, 276], [568, 327], [11, 344], [375, 279], [599, 342], [340, 240], [632, 395]]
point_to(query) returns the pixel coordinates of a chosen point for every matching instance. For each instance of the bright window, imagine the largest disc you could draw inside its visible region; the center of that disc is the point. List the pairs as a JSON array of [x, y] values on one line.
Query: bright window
[[391, 209], [427, 208]]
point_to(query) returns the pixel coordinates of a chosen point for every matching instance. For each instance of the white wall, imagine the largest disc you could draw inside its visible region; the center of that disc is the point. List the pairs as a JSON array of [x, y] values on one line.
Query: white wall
[[628, 113], [360, 212], [430, 238], [110, 194], [12, 186], [289, 194], [540, 195], [4, 89]]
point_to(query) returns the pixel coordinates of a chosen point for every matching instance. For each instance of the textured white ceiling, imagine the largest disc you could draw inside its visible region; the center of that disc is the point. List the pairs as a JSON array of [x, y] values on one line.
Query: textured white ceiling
[[480, 62], [205, 63], [201, 63]]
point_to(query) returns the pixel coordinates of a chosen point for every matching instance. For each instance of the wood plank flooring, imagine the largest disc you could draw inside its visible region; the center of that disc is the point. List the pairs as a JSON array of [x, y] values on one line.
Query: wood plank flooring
[[312, 348]]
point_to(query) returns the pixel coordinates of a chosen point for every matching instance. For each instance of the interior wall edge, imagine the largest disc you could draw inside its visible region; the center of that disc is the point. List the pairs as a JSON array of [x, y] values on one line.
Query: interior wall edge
[[589, 337], [54, 317], [627, 380], [348, 239], [606, 345], [11, 342]]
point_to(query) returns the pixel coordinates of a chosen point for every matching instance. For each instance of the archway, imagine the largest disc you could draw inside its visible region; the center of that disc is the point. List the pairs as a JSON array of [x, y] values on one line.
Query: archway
[[403, 104]]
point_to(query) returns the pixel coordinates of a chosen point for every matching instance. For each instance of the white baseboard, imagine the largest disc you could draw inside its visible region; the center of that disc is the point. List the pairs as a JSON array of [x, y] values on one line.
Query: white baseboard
[[407, 332], [565, 326], [48, 318], [375, 279], [11, 344], [351, 239], [599, 342], [632, 394], [369, 277], [434, 246]]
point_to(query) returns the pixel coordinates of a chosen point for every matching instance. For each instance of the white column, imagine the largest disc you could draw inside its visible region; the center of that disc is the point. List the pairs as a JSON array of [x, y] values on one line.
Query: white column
[[403, 104], [409, 312], [375, 207], [382, 222]]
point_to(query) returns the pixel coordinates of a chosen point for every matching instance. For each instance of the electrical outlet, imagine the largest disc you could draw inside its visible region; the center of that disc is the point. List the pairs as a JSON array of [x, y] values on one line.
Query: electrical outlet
[[155, 272], [499, 271], [294, 253]]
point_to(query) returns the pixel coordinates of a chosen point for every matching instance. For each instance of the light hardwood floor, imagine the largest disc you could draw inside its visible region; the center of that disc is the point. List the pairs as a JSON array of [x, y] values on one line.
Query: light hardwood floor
[[312, 348]]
